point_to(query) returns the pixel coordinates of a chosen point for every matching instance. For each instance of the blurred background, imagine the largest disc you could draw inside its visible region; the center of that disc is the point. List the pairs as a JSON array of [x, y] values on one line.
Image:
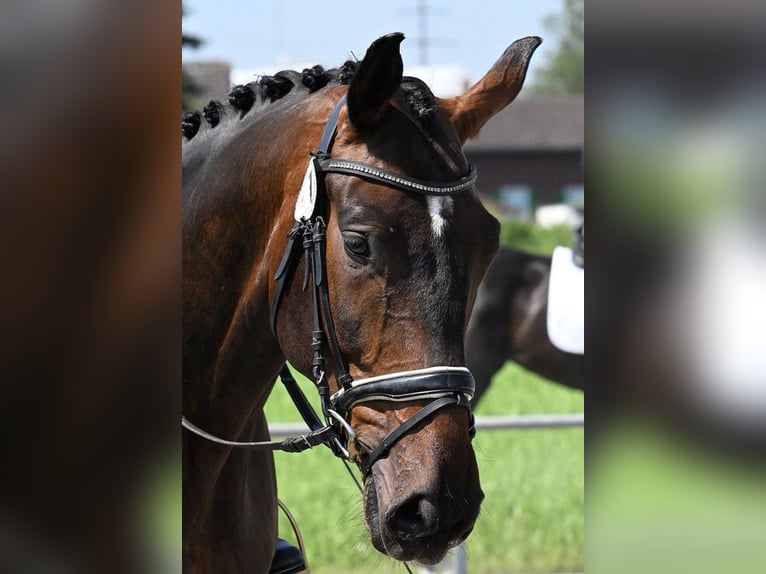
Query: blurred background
[[90, 290], [676, 101]]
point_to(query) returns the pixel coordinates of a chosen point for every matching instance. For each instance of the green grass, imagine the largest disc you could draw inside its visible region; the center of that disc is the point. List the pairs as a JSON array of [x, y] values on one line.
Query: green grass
[[532, 516], [533, 238], [669, 504]]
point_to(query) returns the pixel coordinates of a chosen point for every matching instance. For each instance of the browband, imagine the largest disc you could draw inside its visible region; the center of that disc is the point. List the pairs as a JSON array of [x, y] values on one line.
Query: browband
[[326, 164], [392, 179]]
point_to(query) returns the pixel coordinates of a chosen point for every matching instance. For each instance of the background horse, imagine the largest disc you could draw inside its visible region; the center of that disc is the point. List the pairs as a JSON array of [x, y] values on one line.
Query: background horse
[[402, 270], [509, 324]]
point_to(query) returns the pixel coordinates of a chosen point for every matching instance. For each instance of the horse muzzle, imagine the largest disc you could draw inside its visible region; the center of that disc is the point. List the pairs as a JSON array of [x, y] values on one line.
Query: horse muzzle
[[417, 507]]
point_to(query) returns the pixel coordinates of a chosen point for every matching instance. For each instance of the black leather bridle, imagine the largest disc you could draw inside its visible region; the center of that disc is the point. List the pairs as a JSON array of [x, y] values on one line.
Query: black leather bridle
[[443, 385]]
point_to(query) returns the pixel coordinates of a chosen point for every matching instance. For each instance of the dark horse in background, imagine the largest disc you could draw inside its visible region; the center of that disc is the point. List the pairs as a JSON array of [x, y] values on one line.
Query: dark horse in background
[[402, 270], [509, 324]]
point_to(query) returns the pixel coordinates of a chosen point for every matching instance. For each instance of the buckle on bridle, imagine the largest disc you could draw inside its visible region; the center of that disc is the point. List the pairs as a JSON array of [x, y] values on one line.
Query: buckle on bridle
[[350, 433]]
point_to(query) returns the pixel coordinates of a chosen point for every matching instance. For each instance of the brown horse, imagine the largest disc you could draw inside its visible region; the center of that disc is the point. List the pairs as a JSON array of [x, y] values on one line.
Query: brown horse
[[509, 324], [396, 243]]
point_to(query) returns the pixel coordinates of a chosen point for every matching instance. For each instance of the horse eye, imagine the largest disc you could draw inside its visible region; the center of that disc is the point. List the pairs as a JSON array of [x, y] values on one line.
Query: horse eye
[[356, 244]]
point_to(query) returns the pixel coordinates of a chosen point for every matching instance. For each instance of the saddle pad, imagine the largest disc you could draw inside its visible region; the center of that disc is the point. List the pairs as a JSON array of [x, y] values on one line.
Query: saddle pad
[[566, 303]]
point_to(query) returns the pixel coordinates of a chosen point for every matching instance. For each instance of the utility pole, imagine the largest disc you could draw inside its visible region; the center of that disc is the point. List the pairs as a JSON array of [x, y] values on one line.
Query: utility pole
[[422, 12], [422, 15]]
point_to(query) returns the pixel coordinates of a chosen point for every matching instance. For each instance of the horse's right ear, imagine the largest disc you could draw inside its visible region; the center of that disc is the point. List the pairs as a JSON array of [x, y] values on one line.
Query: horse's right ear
[[377, 79], [498, 88]]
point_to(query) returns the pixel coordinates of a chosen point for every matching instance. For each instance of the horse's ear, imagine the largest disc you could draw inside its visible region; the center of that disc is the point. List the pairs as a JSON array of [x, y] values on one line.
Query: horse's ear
[[498, 88], [377, 79]]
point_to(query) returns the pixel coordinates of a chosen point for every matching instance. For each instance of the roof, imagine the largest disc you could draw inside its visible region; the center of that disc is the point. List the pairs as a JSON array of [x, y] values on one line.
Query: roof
[[540, 123]]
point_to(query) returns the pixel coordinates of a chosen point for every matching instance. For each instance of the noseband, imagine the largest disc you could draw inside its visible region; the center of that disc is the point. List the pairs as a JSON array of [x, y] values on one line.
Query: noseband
[[443, 385]]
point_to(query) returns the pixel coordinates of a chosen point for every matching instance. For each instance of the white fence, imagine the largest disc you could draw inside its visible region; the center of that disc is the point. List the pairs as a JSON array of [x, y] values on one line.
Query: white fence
[[528, 422]]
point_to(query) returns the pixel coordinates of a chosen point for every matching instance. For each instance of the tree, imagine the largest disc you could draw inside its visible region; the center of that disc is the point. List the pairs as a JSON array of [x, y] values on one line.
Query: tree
[[563, 71], [188, 88]]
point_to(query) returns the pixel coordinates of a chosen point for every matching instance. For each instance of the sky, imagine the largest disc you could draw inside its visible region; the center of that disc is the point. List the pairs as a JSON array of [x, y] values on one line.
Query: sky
[[263, 33]]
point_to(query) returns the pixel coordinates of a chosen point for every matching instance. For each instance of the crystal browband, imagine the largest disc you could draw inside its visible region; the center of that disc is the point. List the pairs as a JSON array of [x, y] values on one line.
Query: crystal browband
[[379, 175]]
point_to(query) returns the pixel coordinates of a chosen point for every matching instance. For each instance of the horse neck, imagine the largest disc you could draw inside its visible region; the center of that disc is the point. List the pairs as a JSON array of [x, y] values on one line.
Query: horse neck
[[235, 226]]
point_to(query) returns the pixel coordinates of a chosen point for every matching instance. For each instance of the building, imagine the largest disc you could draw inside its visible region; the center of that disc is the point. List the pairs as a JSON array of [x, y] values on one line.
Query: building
[[531, 154], [211, 78]]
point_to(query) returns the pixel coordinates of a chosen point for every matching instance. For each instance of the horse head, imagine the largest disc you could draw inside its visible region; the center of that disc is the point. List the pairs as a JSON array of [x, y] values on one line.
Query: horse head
[[402, 265]]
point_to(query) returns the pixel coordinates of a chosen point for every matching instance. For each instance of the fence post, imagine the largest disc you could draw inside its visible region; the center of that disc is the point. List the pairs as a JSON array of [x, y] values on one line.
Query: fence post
[[461, 558]]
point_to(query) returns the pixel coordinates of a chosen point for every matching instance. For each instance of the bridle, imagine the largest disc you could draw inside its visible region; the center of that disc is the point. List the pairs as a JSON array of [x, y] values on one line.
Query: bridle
[[443, 385]]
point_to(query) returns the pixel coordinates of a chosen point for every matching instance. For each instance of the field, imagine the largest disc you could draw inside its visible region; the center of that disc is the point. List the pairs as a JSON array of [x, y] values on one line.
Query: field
[[532, 516]]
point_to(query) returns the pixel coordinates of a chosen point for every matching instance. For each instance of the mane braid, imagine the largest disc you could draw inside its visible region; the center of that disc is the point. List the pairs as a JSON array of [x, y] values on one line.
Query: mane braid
[[315, 78], [242, 98], [418, 98], [275, 87], [212, 112], [190, 122], [264, 91], [347, 72]]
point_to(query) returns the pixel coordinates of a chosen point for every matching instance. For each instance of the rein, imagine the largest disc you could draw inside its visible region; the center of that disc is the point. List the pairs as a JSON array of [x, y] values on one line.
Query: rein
[[444, 385]]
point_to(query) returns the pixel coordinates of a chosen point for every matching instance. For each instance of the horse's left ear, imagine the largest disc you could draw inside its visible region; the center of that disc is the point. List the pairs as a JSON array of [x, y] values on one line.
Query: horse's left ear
[[377, 79], [498, 88]]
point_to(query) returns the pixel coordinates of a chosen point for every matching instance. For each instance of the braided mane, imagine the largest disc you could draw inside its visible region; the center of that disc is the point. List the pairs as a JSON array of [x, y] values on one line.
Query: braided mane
[[268, 89]]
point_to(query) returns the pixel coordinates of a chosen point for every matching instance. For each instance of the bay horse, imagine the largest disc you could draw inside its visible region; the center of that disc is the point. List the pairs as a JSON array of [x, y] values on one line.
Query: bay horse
[[508, 323], [337, 208]]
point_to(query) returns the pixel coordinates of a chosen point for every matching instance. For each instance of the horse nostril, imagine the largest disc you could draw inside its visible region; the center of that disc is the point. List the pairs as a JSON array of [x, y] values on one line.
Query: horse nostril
[[417, 517]]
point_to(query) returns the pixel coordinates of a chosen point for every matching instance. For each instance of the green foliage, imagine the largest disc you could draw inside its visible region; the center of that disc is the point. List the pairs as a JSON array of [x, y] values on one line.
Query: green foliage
[[532, 516], [190, 41], [189, 92], [563, 73], [188, 89], [533, 238], [668, 187], [158, 502]]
